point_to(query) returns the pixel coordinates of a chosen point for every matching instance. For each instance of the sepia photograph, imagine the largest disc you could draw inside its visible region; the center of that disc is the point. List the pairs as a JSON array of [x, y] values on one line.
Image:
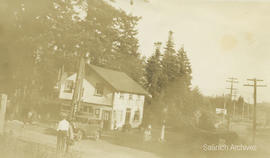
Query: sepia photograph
[[134, 78]]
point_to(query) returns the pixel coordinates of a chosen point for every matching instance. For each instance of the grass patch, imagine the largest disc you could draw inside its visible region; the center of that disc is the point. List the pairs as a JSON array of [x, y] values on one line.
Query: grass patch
[[176, 144], [179, 144]]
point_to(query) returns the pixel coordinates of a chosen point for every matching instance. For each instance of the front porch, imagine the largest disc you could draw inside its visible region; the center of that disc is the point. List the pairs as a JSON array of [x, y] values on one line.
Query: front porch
[[89, 112]]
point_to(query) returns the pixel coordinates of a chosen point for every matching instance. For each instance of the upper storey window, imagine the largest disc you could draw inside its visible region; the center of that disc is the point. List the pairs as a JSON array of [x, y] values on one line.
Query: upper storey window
[[69, 84], [99, 89]]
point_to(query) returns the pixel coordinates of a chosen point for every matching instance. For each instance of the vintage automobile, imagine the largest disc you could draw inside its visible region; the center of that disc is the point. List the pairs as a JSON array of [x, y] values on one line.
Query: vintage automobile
[[85, 125], [84, 128]]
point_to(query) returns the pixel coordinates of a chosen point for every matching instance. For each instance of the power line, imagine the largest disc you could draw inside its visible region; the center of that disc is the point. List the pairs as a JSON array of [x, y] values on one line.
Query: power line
[[254, 85]]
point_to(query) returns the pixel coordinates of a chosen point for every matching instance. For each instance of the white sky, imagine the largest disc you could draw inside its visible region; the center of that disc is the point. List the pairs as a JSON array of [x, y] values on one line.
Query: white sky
[[222, 39]]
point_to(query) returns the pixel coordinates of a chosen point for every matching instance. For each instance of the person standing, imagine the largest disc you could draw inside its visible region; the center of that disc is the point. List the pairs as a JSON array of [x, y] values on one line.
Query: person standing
[[70, 136], [62, 134], [148, 134]]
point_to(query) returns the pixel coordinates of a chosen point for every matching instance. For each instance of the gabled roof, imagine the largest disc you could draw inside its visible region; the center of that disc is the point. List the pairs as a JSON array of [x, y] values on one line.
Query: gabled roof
[[119, 80]]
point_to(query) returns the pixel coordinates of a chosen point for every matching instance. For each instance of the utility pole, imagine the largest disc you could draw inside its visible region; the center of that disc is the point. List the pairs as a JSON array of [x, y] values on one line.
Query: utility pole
[[248, 108], [243, 110], [254, 85], [233, 110], [232, 81], [233, 102], [78, 86], [224, 107]]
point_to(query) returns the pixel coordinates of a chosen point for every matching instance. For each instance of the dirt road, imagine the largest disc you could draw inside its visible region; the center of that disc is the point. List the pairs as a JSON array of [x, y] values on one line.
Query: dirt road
[[103, 149], [86, 148]]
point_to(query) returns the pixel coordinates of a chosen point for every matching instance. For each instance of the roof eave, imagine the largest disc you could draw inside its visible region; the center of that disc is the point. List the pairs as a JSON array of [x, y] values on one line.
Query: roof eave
[[138, 93]]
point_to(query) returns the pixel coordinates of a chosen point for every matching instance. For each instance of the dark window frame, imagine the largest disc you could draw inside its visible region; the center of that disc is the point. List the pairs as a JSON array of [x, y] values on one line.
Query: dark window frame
[[122, 96], [130, 97], [99, 89], [68, 86], [137, 115]]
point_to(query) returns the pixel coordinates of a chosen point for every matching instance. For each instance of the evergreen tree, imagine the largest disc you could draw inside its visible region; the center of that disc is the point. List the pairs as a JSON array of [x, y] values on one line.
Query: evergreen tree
[[169, 49], [154, 71], [170, 65], [185, 66], [176, 94]]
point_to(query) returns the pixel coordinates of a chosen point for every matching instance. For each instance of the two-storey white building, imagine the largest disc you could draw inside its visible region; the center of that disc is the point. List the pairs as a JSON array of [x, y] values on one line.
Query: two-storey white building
[[107, 95]]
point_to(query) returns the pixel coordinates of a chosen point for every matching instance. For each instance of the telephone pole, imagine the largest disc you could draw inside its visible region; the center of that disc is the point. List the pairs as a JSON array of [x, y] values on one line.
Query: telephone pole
[[78, 85], [224, 107], [234, 108], [232, 81], [254, 85], [243, 110], [248, 109]]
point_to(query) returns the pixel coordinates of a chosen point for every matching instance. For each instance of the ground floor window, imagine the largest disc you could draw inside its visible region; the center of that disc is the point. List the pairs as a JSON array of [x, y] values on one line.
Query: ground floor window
[[87, 109], [105, 115], [121, 96], [97, 111]]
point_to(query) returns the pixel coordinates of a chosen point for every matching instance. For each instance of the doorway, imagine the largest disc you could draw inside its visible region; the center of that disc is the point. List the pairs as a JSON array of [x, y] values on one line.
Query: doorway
[[106, 119], [127, 118]]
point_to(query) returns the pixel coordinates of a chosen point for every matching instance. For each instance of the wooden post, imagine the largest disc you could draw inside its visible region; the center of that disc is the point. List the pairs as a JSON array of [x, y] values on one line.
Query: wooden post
[[223, 119], [232, 81], [234, 116], [78, 87], [3, 103], [162, 135], [254, 112], [254, 85], [248, 111], [243, 110]]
